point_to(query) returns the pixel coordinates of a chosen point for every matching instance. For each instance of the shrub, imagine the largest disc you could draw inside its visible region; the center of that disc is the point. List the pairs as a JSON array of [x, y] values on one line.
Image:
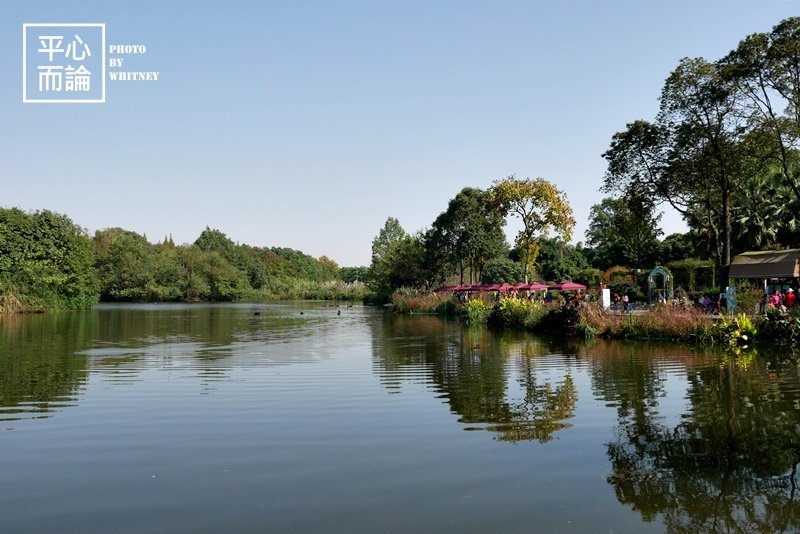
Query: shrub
[[736, 332], [475, 311], [517, 313], [777, 326]]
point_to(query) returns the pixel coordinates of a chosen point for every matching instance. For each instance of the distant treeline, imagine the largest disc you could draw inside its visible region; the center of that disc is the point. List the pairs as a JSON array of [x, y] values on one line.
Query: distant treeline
[[48, 262]]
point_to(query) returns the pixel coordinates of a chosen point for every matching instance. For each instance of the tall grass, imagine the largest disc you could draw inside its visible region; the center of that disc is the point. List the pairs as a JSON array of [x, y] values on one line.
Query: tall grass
[[410, 302], [664, 322]]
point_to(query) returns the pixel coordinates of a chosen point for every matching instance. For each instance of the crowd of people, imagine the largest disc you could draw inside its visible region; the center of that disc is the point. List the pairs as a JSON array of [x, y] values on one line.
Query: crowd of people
[[782, 300]]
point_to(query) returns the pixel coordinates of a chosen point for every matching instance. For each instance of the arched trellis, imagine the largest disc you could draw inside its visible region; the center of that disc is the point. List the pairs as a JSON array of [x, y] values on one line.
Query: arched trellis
[[667, 289]]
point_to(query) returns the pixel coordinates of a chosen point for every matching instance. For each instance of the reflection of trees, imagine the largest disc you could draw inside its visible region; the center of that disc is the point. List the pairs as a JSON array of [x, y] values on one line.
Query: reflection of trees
[[488, 378], [39, 370], [729, 465]]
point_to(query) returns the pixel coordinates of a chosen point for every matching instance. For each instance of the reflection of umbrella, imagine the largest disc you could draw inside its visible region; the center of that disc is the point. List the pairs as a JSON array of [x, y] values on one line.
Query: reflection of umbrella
[[568, 285]]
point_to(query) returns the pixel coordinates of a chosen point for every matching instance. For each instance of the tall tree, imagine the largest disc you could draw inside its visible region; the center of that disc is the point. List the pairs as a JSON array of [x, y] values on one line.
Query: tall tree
[[765, 67], [383, 246], [539, 205], [693, 158], [466, 236]]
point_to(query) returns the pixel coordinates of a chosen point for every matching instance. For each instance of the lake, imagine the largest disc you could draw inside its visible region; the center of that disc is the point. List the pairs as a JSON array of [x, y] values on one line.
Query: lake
[[308, 417]]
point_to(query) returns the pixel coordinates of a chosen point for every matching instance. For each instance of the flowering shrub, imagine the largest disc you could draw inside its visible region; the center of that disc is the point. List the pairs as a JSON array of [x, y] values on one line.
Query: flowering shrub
[[475, 311]]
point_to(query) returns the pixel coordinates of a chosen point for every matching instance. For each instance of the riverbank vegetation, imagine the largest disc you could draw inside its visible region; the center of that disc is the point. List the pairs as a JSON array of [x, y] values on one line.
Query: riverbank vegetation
[[722, 151], [48, 262], [587, 319]]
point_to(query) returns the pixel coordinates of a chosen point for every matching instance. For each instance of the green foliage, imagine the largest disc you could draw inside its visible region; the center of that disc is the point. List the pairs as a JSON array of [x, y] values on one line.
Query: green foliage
[[45, 261], [501, 270], [559, 260], [466, 236], [383, 247], [676, 247], [475, 311], [779, 327], [737, 331], [517, 313], [540, 206], [624, 230], [350, 275]]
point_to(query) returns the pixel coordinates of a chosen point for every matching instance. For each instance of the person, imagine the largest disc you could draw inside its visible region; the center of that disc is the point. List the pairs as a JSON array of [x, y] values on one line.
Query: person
[[626, 302], [775, 299], [790, 298]]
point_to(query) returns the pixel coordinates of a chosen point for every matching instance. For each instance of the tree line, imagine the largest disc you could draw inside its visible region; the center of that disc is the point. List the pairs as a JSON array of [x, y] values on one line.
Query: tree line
[[723, 148], [722, 151], [49, 262]]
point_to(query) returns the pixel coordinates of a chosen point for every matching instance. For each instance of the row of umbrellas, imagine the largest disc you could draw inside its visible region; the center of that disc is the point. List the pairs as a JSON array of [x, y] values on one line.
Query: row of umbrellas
[[565, 285]]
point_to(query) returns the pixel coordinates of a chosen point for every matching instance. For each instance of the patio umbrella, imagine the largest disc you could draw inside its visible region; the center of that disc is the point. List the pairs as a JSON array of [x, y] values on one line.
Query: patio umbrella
[[567, 285], [536, 286]]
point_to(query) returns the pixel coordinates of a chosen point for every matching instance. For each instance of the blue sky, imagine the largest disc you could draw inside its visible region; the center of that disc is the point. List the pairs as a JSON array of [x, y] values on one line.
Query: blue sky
[[306, 124]]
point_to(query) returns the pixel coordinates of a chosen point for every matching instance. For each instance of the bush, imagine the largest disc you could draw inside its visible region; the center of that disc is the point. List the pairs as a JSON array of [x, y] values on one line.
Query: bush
[[517, 313], [775, 326], [475, 311], [736, 332]]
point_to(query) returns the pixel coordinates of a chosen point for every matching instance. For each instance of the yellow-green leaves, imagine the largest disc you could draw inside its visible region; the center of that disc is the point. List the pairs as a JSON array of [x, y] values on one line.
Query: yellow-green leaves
[[540, 205]]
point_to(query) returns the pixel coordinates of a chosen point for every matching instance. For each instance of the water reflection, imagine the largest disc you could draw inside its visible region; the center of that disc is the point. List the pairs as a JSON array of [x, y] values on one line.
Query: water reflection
[[730, 464], [39, 373], [705, 441], [517, 386], [696, 439]]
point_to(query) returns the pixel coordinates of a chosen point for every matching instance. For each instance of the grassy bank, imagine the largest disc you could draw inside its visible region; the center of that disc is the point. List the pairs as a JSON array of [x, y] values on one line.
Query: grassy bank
[[663, 322]]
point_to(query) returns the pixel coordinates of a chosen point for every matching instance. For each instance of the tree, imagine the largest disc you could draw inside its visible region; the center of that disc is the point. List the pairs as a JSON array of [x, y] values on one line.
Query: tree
[[676, 247], [695, 157], [540, 206], [350, 275], [406, 263], [765, 67], [559, 260], [240, 257], [465, 236], [501, 270], [124, 263], [603, 236], [382, 247], [45, 260]]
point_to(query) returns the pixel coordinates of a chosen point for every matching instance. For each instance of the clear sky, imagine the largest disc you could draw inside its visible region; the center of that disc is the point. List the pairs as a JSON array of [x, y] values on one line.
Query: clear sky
[[306, 124]]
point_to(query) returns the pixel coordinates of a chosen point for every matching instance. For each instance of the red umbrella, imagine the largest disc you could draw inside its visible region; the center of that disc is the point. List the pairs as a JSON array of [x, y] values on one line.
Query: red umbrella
[[505, 288], [567, 285], [536, 286]]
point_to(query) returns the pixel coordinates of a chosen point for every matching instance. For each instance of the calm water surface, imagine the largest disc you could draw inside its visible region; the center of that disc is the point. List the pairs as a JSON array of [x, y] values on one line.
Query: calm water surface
[[154, 418]]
